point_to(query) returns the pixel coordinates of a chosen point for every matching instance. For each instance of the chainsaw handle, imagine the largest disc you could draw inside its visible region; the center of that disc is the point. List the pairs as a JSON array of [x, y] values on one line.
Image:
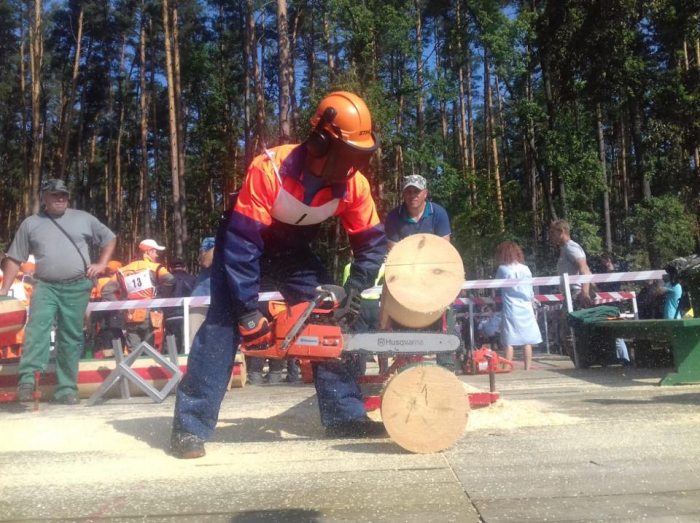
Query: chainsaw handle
[[320, 296]]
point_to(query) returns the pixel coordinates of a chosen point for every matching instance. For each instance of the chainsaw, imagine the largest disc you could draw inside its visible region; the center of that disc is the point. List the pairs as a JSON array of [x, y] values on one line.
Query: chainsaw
[[311, 331]]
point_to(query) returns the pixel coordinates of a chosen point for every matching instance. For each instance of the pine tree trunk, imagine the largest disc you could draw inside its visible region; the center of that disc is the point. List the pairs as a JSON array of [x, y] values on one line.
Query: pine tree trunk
[[291, 67], [551, 118], [470, 119], [172, 117], [637, 141], [310, 49], [502, 125], [493, 142], [623, 166], [246, 94], [160, 197], [144, 203], [181, 150], [487, 115], [81, 182], [329, 48], [260, 134], [71, 96], [398, 155], [465, 128], [26, 179], [284, 72], [118, 192], [438, 75], [603, 167], [36, 58], [419, 72]]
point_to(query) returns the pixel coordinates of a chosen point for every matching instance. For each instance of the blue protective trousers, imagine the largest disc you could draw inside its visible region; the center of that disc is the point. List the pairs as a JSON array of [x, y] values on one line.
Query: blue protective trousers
[[213, 350]]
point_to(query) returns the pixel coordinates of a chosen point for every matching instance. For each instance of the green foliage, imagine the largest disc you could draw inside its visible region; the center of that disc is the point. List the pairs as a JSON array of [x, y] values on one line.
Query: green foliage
[[624, 56], [662, 228]]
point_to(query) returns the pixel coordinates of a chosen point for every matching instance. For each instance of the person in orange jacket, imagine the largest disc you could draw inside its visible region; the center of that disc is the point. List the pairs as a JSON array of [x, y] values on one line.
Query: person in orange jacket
[[99, 325], [139, 280], [266, 235]]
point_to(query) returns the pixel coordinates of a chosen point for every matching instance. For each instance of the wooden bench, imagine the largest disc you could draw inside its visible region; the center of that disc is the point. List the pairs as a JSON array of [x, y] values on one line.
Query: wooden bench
[[684, 336]]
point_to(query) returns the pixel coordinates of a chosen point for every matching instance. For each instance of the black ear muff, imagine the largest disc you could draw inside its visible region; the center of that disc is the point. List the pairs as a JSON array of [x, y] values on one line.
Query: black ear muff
[[319, 141]]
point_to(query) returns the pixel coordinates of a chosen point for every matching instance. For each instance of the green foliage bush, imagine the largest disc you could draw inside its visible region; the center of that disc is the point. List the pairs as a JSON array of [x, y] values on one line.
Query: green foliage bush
[[662, 228]]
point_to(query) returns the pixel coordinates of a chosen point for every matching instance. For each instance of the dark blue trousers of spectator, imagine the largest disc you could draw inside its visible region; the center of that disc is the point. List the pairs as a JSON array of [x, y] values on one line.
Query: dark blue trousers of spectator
[[213, 350]]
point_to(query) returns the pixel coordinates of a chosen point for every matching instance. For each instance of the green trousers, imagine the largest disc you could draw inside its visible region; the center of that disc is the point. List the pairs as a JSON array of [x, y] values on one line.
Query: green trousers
[[63, 304]]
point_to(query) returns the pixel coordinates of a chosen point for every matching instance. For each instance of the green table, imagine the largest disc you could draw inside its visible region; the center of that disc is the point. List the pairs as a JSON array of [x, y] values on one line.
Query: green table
[[684, 336]]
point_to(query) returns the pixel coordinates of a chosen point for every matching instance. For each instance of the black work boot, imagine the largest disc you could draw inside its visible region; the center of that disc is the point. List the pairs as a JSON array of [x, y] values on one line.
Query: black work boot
[[186, 446], [68, 399], [361, 428], [25, 392]]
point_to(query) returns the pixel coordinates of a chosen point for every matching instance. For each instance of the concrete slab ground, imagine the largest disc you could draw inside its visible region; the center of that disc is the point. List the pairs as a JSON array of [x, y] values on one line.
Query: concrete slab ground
[[564, 445]]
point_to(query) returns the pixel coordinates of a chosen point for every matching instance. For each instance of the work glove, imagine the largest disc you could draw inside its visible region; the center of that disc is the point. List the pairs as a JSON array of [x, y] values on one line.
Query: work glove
[[347, 303], [255, 331]]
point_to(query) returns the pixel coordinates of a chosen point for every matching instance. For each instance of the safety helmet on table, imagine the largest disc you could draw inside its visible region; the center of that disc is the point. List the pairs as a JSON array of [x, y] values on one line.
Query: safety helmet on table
[[344, 117]]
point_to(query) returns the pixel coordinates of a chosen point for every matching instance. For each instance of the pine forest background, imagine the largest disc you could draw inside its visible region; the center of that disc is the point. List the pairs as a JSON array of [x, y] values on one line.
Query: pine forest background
[[517, 112]]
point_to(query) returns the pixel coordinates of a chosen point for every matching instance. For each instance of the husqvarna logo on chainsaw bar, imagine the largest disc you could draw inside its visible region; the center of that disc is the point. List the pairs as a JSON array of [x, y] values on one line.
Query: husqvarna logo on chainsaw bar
[[382, 342]]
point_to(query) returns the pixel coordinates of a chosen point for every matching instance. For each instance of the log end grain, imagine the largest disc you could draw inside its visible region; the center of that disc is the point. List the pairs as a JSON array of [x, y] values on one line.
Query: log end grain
[[425, 408]]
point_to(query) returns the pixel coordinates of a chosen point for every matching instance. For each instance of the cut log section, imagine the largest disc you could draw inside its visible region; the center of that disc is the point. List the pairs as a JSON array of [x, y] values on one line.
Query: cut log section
[[425, 408], [423, 276]]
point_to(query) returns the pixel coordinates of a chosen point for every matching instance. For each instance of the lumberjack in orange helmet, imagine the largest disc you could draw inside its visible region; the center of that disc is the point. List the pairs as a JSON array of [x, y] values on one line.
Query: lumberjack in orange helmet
[[267, 235]]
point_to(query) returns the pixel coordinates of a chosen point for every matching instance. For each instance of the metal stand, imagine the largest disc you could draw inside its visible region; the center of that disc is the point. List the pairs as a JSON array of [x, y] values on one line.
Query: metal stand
[[123, 373]]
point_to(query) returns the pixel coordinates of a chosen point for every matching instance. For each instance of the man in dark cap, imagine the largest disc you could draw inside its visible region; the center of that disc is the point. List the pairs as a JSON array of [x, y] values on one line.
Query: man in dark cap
[[59, 238]]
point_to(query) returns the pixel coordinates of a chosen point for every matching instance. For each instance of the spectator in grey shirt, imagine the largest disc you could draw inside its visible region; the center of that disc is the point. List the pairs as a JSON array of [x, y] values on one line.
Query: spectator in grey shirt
[[58, 237], [572, 261]]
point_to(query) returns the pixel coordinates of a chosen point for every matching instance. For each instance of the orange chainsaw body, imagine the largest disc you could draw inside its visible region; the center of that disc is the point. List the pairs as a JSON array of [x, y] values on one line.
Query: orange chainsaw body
[[486, 361], [319, 339]]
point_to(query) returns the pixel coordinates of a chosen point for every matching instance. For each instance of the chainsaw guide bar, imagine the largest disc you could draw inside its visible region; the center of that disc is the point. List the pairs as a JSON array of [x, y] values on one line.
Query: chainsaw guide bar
[[403, 343]]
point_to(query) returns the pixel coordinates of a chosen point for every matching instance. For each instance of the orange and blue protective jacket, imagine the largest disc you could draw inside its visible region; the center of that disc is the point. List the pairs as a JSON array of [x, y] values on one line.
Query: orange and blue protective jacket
[[278, 212]]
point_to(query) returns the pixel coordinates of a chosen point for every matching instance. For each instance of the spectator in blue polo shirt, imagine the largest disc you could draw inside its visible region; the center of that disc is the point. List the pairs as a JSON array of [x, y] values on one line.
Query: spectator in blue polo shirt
[[418, 215]]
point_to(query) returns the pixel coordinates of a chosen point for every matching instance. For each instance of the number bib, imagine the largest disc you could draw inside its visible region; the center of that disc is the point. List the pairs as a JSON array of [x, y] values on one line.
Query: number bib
[[135, 284]]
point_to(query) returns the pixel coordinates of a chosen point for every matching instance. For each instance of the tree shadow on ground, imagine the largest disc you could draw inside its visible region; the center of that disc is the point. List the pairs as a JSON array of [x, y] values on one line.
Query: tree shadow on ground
[[383, 446], [292, 515], [671, 399], [16, 408]]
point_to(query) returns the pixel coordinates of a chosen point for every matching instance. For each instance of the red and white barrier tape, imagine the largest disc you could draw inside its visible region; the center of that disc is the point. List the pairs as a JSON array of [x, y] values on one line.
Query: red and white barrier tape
[[601, 297], [474, 284]]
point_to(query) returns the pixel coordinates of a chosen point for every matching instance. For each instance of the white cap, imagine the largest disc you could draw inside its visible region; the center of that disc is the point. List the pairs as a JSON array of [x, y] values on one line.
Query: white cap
[[147, 245]]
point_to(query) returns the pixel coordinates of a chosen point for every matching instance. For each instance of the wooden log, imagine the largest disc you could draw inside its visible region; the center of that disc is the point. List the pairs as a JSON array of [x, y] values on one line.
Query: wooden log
[[424, 274], [425, 408]]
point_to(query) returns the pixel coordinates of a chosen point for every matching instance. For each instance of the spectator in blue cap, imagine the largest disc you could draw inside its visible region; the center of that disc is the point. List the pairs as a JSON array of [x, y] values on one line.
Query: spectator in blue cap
[[206, 256]]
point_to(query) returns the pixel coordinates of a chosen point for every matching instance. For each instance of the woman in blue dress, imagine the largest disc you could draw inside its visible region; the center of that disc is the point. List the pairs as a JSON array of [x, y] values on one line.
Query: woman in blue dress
[[519, 327]]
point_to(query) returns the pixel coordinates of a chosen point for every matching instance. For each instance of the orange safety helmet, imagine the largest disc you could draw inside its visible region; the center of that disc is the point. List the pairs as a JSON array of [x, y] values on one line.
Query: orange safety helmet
[[341, 136], [114, 265]]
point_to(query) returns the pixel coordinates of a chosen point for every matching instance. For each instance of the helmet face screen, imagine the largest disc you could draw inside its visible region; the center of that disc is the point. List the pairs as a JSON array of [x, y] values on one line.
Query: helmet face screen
[[345, 159]]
